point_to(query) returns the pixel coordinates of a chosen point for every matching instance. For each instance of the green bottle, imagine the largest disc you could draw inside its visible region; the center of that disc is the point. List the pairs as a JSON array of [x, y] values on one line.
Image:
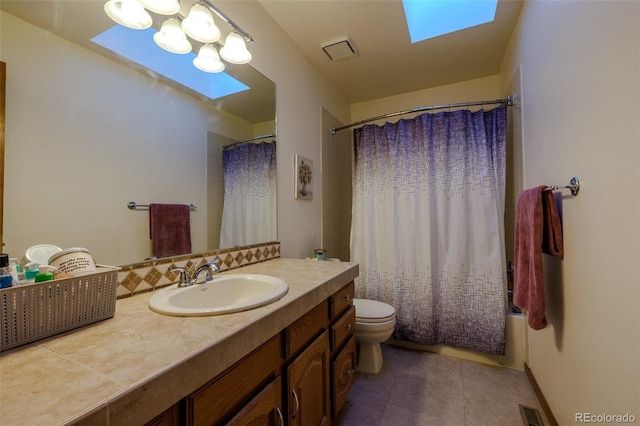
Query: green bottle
[[46, 273]]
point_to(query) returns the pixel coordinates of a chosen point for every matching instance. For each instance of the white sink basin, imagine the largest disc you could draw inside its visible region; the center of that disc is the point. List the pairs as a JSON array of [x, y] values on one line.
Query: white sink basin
[[223, 295]]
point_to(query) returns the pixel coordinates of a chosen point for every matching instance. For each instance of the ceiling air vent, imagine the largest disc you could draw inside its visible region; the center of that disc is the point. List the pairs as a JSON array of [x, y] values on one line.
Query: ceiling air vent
[[341, 49]]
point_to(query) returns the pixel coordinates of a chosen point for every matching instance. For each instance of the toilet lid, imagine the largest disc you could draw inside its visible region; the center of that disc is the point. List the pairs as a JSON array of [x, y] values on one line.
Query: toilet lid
[[372, 309]]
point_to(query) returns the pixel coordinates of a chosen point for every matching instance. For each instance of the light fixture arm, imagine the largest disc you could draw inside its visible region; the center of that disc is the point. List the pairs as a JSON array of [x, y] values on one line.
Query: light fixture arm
[[246, 36]]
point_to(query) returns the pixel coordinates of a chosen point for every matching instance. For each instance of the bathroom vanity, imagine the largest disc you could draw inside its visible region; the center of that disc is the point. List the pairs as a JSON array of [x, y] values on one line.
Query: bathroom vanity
[[290, 362]]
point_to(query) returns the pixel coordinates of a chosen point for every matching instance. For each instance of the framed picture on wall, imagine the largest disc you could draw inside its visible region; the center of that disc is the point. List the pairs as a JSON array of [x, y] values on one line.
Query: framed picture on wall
[[303, 177]]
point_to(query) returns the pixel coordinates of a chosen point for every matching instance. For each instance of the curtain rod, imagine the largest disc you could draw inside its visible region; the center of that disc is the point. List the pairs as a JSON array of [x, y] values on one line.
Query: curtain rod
[[508, 101], [255, 138]]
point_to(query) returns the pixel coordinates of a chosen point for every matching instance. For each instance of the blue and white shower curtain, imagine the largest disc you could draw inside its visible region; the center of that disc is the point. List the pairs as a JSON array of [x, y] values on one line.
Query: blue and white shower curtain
[[249, 210], [428, 225]]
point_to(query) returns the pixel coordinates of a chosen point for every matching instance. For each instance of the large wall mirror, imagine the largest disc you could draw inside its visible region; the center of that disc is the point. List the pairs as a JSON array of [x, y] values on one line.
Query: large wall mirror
[[88, 131]]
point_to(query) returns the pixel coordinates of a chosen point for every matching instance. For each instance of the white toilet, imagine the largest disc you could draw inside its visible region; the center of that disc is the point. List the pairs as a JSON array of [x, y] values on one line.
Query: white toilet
[[375, 322]]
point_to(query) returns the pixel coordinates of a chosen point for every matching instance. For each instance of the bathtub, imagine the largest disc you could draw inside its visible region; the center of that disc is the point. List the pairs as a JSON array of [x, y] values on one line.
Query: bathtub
[[515, 350]]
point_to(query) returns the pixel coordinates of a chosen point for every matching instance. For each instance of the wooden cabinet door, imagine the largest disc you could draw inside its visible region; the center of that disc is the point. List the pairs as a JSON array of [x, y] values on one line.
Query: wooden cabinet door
[[265, 409], [308, 385]]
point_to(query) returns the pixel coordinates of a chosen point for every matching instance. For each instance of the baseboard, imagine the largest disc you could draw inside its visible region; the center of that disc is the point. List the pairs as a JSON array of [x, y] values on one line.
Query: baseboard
[[540, 395]]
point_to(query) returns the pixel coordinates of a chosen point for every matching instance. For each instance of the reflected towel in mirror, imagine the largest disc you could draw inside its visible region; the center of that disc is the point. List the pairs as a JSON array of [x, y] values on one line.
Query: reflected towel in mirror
[[169, 229]]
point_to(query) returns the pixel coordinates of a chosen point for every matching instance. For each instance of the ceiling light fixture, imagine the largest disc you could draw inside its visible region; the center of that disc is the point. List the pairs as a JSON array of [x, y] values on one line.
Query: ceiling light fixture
[[129, 13], [199, 25], [162, 7], [171, 37], [208, 59]]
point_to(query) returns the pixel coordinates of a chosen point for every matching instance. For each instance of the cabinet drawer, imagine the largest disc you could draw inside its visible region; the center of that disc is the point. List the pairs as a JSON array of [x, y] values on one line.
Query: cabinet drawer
[[342, 299], [343, 375], [229, 392], [304, 330], [265, 409], [343, 328], [171, 417]]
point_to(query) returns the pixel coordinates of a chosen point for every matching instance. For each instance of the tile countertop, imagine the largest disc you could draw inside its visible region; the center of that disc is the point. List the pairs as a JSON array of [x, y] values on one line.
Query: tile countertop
[[130, 368]]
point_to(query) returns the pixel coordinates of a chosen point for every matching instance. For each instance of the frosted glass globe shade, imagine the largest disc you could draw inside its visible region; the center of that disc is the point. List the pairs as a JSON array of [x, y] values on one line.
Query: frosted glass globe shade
[[235, 50], [171, 38], [199, 25], [208, 59], [163, 7], [128, 13]]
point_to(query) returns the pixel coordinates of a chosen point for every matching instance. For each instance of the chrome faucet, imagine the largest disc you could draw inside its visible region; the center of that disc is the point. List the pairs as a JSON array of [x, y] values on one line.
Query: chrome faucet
[[186, 280], [210, 268]]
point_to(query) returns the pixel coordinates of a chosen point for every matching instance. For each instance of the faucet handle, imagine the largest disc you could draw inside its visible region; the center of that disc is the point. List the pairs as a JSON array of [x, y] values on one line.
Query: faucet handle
[[213, 264], [184, 275]]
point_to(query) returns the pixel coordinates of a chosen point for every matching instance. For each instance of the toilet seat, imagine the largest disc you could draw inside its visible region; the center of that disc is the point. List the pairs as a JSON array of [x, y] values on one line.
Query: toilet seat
[[373, 311]]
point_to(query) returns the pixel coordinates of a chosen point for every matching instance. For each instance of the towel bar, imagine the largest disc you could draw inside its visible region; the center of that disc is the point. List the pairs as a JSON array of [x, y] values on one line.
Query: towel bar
[[574, 186], [132, 205]]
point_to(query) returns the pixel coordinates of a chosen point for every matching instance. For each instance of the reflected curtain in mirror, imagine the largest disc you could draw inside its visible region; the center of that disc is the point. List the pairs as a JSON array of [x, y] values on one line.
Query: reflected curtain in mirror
[[249, 210]]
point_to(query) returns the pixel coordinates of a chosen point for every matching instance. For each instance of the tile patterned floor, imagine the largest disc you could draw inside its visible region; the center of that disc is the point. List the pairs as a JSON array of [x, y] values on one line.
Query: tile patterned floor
[[421, 389]]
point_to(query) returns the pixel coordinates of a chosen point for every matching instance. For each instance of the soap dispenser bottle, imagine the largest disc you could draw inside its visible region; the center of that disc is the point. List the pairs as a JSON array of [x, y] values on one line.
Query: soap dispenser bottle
[[31, 270], [46, 273]]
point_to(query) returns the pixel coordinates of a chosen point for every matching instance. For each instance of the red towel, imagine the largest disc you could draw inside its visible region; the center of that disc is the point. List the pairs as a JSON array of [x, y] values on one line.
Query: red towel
[[170, 229], [538, 230]]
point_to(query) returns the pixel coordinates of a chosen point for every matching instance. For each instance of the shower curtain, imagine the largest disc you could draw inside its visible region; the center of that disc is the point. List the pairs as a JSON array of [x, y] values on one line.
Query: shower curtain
[[427, 228], [249, 209]]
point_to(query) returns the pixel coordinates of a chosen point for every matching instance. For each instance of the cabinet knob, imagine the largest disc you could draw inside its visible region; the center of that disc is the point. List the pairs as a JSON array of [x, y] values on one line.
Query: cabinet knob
[[348, 326], [348, 372], [347, 297]]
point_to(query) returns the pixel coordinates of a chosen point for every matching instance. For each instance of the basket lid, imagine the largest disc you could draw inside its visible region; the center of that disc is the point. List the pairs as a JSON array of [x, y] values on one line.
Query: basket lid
[[40, 253], [61, 253]]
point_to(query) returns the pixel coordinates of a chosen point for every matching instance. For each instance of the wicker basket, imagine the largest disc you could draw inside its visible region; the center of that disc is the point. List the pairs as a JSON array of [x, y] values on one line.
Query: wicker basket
[[32, 312]]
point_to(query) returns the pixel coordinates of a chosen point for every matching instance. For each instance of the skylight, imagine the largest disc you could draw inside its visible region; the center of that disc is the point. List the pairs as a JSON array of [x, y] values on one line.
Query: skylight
[[432, 18], [138, 46]]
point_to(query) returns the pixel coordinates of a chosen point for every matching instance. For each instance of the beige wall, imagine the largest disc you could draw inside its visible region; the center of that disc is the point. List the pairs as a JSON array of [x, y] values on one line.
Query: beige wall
[[472, 90], [580, 63]]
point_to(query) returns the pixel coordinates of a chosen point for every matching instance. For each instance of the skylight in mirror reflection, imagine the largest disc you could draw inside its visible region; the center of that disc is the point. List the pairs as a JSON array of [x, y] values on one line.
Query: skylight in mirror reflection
[[138, 46], [432, 18]]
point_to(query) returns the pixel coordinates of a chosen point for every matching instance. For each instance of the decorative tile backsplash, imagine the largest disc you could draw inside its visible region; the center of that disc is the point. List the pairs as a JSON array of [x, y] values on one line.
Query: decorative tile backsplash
[[149, 275]]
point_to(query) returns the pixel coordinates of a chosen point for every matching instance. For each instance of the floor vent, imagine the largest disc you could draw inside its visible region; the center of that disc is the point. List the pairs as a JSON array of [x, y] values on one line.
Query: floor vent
[[530, 416]]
